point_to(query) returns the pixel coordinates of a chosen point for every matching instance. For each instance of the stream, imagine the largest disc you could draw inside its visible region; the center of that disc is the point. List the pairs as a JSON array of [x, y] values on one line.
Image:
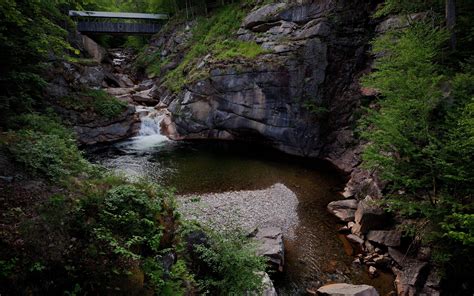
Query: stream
[[315, 253]]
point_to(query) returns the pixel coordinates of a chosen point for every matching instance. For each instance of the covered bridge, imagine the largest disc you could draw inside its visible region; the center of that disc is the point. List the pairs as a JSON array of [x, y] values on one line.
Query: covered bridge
[[126, 23]]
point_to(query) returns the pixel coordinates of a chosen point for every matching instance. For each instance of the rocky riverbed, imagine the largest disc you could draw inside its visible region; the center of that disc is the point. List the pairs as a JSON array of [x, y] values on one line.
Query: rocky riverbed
[[248, 209]]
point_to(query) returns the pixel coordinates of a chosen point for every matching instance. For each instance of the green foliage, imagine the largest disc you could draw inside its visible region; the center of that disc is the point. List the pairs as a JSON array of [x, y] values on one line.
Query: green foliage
[[7, 267], [128, 221], [45, 147], [420, 136], [212, 35], [403, 6], [315, 109], [95, 100], [171, 283], [401, 132], [29, 36], [232, 257]]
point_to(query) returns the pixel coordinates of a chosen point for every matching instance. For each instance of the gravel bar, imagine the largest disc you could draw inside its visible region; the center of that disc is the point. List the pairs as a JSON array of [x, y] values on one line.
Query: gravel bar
[[271, 207]]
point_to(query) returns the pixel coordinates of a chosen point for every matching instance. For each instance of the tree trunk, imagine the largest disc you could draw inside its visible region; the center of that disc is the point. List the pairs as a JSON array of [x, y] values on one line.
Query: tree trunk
[[451, 20]]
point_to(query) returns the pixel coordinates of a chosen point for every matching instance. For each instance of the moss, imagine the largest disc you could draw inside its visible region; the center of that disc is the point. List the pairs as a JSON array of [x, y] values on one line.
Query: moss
[[212, 35], [83, 61]]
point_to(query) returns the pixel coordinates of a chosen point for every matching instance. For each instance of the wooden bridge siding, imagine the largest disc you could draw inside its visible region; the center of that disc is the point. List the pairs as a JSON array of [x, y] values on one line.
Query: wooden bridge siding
[[122, 28]]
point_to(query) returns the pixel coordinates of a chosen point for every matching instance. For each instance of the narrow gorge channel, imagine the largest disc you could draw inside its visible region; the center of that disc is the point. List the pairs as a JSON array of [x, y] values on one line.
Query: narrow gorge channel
[[265, 188]]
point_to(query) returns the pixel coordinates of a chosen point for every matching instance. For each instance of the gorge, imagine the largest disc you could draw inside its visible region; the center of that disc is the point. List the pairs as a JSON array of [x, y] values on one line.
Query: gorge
[[246, 148]]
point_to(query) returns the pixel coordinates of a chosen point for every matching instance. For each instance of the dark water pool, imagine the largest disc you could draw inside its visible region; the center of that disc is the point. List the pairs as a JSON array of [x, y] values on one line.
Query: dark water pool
[[315, 255]]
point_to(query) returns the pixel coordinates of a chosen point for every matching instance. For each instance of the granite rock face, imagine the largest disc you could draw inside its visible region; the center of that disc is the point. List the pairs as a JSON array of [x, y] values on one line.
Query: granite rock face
[[66, 80], [298, 97]]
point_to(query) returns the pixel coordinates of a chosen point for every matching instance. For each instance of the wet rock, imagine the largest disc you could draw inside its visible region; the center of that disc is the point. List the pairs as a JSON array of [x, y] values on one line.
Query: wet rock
[[144, 98], [124, 80], [381, 261], [368, 217], [355, 239], [347, 290], [271, 245], [145, 84], [373, 272], [343, 209], [368, 247], [119, 91], [389, 238]]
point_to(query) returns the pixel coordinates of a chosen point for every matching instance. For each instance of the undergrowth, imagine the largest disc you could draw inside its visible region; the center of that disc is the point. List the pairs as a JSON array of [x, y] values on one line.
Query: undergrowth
[[96, 100]]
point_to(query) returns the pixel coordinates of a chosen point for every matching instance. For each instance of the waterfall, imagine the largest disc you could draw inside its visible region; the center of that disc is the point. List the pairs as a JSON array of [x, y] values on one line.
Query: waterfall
[[149, 135]]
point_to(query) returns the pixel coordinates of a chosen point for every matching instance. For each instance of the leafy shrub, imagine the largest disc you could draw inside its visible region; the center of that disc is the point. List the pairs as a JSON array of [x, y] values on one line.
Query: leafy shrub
[[234, 263], [129, 221], [45, 147], [102, 103]]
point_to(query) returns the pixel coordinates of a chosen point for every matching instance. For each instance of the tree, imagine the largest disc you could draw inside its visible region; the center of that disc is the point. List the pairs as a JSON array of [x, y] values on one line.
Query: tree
[[450, 12]]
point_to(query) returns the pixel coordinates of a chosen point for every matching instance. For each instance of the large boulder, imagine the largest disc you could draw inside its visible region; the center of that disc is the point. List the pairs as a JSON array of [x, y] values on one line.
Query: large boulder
[[99, 130], [389, 238], [343, 209], [347, 290], [411, 274], [270, 242], [369, 216]]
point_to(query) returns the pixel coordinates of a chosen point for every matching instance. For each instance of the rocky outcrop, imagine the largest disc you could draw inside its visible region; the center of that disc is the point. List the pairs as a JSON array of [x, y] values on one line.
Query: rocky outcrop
[[270, 245], [368, 216], [343, 209], [100, 130], [67, 83], [347, 290], [389, 238], [299, 96]]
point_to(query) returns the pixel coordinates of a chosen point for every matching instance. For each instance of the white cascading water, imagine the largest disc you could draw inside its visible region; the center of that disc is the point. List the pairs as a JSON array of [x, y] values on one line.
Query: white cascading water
[[149, 135]]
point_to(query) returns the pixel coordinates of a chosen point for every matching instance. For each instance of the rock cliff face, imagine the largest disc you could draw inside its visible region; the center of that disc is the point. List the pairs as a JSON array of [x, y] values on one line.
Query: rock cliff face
[[66, 82], [299, 96]]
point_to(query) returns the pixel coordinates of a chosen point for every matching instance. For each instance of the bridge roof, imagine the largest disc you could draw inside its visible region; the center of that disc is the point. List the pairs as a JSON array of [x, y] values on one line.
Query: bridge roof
[[124, 15]]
